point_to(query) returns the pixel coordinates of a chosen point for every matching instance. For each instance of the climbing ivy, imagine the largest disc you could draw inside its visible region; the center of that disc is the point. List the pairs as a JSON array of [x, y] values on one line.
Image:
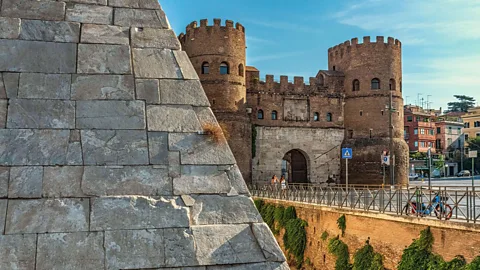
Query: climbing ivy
[[340, 250], [324, 235], [254, 140], [367, 259], [290, 213], [342, 224], [295, 239], [278, 215], [259, 204]]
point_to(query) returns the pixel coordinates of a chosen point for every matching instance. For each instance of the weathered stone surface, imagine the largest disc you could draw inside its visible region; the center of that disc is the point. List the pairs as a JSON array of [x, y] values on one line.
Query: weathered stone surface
[[158, 148], [4, 175], [3, 215], [154, 38], [140, 249], [50, 31], [140, 18], [110, 114], [200, 149], [155, 64], [74, 135], [267, 243], [44, 86], [74, 154], [236, 180], [114, 147], [226, 244], [81, 250], [47, 215], [11, 84], [179, 241], [147, 4], [33, 147], [205, 115], [188, 92], [180, 118], [109, 34], [25, 182], [18, 251], [201, 180], [252, 266], [88, 87], [98, 2], [173, 164], [63, 181], [38, 113], [148, 90], [3, 92], [138, 180], [3, 112], [137, 213], [183, 268], [23, 56], [215, 209], [37, 10], [104, 59], [186, 67], [9, 27], [89, 14]]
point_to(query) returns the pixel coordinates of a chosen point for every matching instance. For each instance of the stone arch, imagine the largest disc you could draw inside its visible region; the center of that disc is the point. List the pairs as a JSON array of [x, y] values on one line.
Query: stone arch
[[295, 166]]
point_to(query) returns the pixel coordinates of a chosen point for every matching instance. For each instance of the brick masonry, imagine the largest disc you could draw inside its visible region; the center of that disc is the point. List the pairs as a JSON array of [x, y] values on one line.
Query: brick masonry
[[104, 160]]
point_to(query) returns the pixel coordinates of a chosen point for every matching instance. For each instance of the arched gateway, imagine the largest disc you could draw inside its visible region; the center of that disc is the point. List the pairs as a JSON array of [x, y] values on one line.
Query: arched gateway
[[295, 166]]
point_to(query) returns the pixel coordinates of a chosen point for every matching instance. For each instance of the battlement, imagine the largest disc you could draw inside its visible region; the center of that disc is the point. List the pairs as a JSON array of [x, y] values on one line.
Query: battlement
[[297, 84], [346, 46], [216, 23]]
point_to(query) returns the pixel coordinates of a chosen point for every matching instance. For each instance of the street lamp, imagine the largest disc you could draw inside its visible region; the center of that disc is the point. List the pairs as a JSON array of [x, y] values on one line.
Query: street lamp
[[446, 170]]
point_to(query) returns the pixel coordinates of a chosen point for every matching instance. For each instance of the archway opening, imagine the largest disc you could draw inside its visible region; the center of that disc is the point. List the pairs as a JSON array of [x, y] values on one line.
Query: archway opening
[[295, 167]]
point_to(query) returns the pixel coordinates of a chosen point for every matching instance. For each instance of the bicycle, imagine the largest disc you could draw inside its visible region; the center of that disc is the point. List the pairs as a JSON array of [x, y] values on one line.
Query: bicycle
[[438, 205]]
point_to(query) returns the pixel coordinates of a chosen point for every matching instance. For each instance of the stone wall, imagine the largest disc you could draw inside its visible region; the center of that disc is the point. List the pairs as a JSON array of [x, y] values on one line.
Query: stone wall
[[321, 148]]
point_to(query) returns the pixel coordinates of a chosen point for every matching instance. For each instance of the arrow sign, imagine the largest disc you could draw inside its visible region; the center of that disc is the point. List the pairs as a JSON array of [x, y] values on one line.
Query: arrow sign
[[347, 153]]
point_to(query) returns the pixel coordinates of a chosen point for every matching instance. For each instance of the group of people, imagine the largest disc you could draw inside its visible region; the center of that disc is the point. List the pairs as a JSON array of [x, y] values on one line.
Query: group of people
[[276, 182]]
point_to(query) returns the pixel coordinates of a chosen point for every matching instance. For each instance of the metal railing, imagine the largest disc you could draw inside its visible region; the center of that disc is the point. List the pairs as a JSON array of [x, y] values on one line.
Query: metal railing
[[453, 203]]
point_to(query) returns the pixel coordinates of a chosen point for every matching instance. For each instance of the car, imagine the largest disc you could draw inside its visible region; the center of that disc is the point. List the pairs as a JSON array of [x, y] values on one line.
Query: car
[[463, 173], [413, 176]]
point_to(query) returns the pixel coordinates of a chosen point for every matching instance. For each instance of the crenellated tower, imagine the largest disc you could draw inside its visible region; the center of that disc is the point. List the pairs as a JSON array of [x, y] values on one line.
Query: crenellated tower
[[218, 54], [373, 71]]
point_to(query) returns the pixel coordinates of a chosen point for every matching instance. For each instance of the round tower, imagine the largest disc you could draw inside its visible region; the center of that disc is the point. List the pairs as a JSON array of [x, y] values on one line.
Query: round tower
[[218, 54], [373, 72]]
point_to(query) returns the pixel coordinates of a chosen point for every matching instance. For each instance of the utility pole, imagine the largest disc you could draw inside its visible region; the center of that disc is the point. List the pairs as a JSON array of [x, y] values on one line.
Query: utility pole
[[462, 147], [392, 158], [428, 103], [418, 99]]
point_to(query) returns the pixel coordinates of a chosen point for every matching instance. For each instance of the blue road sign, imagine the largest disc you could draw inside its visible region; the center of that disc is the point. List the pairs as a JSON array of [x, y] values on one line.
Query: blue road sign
[[347, 153]]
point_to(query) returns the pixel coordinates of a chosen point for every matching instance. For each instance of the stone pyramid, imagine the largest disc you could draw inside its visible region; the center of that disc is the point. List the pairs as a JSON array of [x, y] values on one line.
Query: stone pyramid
[[105, 161]]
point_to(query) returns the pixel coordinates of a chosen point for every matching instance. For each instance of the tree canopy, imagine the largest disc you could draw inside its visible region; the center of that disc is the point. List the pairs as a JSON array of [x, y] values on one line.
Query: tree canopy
[[462, 104]]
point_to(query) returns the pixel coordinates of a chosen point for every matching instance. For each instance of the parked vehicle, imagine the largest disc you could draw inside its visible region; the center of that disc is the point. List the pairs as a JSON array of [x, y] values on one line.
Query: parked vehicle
[[463, 173], [413, 176], [438, 205]]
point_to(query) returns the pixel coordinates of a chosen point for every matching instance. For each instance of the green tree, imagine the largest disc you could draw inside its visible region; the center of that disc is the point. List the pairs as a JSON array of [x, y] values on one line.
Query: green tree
[[462, 104], [473, 144]]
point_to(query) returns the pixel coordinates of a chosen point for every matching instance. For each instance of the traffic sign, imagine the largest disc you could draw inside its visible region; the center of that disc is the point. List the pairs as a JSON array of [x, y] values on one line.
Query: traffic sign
[[347, 153], [386, 160], [472, 154]]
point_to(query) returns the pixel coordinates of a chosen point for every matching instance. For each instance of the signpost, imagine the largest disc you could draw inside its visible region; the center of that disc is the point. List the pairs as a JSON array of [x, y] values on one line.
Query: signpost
[[429, 156], [346, 154], [385, 162], [473, 154]]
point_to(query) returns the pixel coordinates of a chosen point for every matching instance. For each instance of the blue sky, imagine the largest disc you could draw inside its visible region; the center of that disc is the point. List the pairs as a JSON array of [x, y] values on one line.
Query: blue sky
[[440, 38]]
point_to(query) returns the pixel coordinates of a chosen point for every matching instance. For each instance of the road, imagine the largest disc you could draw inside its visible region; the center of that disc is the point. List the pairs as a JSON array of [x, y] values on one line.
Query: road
[[449, 181]]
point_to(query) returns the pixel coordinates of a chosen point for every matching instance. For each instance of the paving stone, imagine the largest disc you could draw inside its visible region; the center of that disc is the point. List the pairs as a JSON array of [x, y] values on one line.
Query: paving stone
[[3, 112], [9, 28], [154, 38], [11, 84], [89, 14], [137, 213], [186, 67], [3, 215], [140, 18], [25, 182], [18, 251], [131, 180], [148, 90], [201, 180], [44, 86], [179, 241], [47, 215], [41, 113], [81, 250], [172, 118], [33, 147], [114, 147], [23, 56], [173, 164], [37, 10], [63, 181], [267, 243], [189, 92], [109, 34], [215, 209], [97, 2], [158, 148], [88, 87], [147, 4], [104, 59], [4, 175], [226, 244], [74, 154], [50, 31], [200, 149], [138, 249], [155, 64], [110, 114]]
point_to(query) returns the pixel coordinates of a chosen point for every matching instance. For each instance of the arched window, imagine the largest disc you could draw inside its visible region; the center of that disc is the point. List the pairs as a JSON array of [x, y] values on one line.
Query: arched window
[[356, 85], [316, 117], [375, 84], [240, 70], [392, 84], [224, 69], [260, 114], [274, 115], [329, 117], [205, 68]]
